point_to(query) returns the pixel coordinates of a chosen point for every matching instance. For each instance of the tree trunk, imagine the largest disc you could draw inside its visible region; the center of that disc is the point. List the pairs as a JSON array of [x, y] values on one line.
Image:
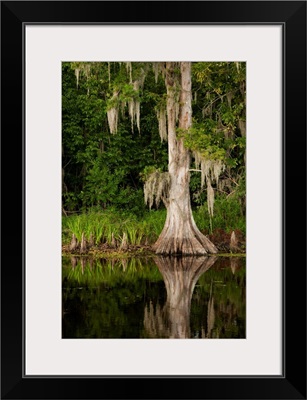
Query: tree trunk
[[180, 234]]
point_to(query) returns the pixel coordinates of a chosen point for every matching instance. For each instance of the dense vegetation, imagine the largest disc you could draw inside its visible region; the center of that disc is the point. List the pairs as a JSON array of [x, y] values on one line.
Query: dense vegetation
[[104, 167]]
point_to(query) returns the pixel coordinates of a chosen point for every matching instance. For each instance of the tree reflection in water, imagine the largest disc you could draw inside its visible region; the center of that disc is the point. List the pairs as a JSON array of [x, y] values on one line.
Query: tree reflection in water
[[165, 297], [180, 276]]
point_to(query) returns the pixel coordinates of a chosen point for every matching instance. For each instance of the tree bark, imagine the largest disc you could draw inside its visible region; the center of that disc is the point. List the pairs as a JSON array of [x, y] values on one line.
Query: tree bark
[[180, 234]]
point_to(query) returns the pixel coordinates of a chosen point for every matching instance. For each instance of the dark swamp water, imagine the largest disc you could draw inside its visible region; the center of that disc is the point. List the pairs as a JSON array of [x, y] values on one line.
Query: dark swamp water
[[160, 297]]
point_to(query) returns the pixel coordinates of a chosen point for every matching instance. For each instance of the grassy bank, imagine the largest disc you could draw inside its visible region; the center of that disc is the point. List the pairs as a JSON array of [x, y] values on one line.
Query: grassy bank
[[118, 229], [114, 227]]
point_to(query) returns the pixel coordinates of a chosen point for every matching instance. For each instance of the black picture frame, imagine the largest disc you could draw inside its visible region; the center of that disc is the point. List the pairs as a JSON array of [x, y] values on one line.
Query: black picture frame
[[292, 16]]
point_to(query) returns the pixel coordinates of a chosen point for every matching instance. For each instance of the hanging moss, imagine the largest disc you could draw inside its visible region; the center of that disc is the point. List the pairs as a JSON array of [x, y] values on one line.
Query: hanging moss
[[77, 73], [119, 102], [134, 107], [79, 68], [129, 70], [210, 172], [210, 169], [156, 188], [112, 114], [161, 116]]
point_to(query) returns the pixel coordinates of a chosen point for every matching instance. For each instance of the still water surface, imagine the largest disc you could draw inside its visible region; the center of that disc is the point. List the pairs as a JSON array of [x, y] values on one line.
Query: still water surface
[[160, 297]]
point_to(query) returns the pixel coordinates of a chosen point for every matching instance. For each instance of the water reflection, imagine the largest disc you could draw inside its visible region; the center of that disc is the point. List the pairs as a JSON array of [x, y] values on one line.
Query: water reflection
[[180, 276], [161, 297]]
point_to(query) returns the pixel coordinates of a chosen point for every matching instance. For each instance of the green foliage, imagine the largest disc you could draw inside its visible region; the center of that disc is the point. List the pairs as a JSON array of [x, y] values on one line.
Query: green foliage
[[228, 215], [105, 225], [204, 138], [103, 171], [219, 112], [100, 169], [102, 225]]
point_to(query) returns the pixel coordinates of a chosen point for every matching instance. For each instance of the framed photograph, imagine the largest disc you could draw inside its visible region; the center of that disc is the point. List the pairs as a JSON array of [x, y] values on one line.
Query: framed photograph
[[198, 108]]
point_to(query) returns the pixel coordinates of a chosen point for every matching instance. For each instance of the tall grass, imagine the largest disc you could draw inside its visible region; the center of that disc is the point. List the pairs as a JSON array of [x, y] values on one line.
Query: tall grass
[[114, 227]]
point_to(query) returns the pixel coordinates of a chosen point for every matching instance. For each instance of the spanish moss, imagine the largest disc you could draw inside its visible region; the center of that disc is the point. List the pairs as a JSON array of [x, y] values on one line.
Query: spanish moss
[[112, 114], [156, 188], [161, 115]]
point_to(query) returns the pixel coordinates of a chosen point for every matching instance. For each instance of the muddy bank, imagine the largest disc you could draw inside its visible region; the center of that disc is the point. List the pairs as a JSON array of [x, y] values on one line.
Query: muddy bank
[[228, 242], [110, 251]]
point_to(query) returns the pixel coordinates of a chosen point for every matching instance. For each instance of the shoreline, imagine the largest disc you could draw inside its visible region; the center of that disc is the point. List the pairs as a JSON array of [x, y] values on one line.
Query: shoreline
[[105, 251]]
